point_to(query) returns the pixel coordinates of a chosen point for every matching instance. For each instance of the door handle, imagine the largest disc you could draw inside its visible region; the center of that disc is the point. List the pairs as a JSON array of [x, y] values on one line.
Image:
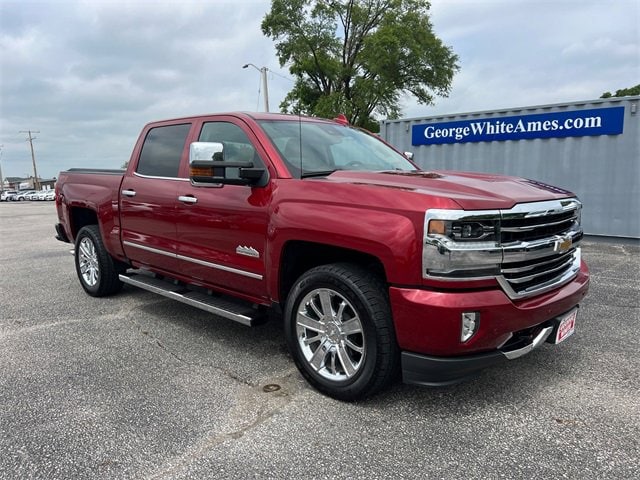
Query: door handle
[[129, 193], [187, 199]]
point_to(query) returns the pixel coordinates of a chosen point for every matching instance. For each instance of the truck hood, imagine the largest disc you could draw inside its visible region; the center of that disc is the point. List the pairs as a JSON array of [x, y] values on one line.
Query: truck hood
[[470, 190]]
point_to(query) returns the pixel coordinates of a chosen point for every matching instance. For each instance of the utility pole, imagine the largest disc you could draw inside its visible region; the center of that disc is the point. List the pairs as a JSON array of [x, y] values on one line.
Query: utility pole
[[263, 74], [1, 179], [36, 182]]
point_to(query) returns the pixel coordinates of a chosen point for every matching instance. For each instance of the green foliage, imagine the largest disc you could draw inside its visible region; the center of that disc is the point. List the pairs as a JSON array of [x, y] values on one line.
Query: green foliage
[[358, 57], [623, 92]]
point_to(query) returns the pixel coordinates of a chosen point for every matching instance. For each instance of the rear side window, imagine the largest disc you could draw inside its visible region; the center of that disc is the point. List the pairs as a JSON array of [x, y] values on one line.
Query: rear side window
[[161, 151]]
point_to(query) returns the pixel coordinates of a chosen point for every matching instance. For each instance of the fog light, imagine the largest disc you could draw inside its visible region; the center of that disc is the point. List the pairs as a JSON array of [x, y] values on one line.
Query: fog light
[[469, 325]]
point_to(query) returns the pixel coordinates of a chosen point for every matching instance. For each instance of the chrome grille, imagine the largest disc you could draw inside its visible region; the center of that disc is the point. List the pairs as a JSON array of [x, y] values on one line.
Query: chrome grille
[[548, 232], [527, 229], [534, 248], [531, 277]]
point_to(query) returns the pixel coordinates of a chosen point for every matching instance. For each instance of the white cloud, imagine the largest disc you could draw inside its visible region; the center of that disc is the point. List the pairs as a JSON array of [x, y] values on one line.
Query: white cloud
[[89, 74], [523, 52]]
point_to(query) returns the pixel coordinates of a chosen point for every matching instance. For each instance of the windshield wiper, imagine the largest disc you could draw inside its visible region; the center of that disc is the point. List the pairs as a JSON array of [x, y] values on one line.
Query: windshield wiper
[[319, 173]]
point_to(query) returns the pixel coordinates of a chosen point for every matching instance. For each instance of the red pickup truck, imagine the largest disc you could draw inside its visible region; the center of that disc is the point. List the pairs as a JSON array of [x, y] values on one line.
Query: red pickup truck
[[375, 265]]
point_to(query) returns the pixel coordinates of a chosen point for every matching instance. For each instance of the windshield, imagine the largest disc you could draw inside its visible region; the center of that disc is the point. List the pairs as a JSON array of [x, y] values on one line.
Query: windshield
[[326, 147]]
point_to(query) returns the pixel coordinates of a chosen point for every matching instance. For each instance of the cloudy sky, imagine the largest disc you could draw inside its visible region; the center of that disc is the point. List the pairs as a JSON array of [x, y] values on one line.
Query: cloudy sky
[[89, 74]]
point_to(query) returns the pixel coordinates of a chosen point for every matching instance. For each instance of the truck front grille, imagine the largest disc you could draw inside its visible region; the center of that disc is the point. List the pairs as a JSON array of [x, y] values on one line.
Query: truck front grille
[[522, 279], [528, 229], [530, 249], [539, 242]]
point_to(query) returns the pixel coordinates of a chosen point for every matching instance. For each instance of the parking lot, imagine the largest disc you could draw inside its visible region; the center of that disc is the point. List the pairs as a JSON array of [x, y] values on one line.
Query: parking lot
[[138, 386]]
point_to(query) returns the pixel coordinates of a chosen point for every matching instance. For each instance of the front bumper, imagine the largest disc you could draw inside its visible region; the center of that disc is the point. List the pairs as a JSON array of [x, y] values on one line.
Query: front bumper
[[428, 326], [436, 371]]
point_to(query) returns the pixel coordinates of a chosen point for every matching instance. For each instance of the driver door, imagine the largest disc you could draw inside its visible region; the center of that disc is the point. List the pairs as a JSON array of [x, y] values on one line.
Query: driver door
[[222, 229]]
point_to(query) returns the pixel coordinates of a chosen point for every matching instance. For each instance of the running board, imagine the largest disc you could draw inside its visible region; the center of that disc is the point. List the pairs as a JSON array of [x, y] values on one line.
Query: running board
[[232, 309]]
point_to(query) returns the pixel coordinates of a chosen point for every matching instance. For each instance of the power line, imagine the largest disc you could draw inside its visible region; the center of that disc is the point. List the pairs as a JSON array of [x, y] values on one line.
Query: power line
[[282, 76], [259, 90]]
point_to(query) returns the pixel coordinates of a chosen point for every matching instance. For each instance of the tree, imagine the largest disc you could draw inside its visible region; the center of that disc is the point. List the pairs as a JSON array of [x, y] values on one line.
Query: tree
[[358, 57], [623, 92]]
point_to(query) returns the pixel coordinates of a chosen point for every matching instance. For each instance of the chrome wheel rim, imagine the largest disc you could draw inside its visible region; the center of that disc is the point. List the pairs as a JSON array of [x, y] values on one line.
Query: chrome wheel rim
[[330, 334], [88, 262]]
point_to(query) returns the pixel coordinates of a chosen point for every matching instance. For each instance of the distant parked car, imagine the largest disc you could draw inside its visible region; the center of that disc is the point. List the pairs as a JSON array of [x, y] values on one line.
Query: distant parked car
[[50, 195], [31, 196], [21, 196], [42, 194], [7, 195]]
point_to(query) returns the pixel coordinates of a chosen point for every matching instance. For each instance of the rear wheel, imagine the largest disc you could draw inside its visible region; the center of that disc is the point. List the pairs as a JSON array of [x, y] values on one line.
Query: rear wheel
[[97, 271], [340, 333]]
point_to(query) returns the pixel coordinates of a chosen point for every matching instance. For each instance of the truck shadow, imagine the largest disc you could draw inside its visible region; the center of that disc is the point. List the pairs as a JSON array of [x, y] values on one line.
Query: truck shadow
[[253, 353]]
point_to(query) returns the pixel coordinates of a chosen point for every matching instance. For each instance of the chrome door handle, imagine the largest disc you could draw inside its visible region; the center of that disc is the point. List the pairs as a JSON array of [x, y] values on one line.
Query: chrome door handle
[[185, 199], [129, 193]]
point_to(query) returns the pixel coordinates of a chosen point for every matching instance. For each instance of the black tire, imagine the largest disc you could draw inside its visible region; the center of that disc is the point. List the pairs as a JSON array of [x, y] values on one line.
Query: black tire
[[353, 354], [97, 270]]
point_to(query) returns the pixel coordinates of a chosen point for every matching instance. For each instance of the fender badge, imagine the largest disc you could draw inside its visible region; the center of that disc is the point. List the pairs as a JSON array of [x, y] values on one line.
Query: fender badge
[[247, 251]]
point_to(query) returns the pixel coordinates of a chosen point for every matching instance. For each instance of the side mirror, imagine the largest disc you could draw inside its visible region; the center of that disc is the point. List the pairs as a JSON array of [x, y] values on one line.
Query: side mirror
[[203, 151], [207, 165]]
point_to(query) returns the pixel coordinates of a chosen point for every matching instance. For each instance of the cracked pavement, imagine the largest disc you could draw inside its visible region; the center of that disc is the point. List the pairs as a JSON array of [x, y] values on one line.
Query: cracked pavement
[[138, 386]]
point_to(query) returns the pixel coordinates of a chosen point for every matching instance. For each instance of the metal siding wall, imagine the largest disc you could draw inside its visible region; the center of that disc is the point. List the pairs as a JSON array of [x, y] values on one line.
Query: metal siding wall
[[604, 171]]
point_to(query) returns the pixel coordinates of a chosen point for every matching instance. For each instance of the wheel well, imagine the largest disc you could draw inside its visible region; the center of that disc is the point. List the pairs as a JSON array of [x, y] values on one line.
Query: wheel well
[[81, 217], [298, 257]]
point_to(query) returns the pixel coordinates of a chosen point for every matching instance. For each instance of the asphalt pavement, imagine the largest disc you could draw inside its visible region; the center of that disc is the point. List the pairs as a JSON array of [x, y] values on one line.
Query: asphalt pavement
[[138, 386]]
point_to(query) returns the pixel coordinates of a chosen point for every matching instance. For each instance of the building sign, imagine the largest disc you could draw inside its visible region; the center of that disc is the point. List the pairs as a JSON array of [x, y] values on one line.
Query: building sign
[[576, 123]]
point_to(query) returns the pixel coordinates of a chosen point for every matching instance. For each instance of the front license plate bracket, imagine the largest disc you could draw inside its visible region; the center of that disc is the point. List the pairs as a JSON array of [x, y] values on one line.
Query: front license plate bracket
[[563, 326]]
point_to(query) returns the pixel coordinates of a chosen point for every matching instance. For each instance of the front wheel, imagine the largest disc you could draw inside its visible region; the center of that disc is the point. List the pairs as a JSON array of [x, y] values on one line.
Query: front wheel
[[97, 271], [339, 330]]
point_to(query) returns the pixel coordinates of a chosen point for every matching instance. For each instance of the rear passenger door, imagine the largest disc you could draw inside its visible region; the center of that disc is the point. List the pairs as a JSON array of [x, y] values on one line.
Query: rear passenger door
[[148, 198]]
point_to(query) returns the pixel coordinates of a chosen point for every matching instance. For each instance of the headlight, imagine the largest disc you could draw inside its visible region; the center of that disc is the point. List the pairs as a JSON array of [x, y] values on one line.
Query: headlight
[[463, 230], [461, 244]]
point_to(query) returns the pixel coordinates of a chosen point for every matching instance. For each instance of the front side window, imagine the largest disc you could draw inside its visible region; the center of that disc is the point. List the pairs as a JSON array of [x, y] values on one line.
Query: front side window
[[236, 144], [162, 151]]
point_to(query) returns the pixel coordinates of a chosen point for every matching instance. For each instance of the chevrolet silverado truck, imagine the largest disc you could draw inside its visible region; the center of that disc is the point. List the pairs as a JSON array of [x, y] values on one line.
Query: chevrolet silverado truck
[[376, 266]]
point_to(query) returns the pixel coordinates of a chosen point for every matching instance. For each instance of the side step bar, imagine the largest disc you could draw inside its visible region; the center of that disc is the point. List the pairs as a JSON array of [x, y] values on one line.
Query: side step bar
[[232, 309]]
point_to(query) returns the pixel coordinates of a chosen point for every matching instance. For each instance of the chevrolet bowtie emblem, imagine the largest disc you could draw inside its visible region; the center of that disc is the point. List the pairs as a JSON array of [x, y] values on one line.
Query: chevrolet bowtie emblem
[[563, 245]]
